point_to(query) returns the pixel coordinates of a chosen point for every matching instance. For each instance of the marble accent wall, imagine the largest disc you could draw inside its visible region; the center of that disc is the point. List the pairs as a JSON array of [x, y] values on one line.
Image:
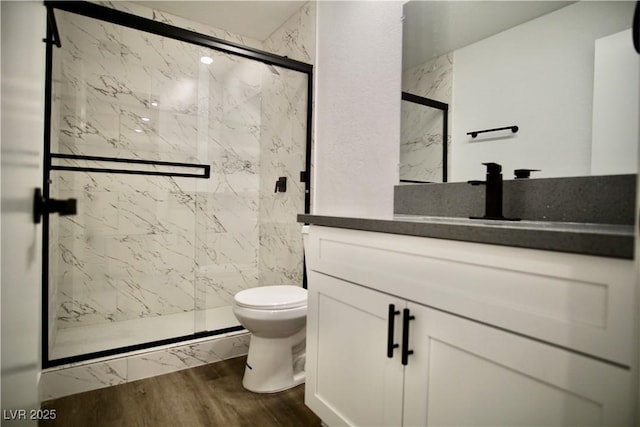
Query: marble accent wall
[[421, 129], [54, 221], [130, 250], [283, 147], [177, 21], [433, 79], [148, 246], [421, 157], [296, 37]]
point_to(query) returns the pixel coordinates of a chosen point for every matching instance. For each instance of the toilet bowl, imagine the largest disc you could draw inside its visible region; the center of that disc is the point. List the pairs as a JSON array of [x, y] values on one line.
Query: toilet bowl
[[276, 316]]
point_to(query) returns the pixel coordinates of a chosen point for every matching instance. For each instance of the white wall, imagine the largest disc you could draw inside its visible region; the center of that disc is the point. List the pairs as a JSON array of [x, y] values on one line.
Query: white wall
[[23, 28], [357, 107], [616, 108], [511, 79]]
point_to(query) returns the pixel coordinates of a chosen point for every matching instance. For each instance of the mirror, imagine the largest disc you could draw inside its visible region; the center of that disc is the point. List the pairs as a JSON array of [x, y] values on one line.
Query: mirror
[[565, 73], [425, 138]]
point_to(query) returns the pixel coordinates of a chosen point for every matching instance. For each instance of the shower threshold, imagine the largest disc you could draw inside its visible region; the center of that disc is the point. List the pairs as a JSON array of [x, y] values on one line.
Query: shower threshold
[[86, 339]]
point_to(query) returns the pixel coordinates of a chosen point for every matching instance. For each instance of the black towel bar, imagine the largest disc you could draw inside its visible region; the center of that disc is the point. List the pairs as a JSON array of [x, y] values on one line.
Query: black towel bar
[[475, 133], [206, 169]]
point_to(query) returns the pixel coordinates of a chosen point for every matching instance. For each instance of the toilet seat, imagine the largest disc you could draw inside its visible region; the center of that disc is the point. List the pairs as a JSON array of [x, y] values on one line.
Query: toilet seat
[[278, 297]]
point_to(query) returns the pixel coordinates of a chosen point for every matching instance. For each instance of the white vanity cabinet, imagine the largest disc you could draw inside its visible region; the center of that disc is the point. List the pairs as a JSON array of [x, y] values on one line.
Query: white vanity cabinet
[[353, 380], [461, 370], [463, 373]]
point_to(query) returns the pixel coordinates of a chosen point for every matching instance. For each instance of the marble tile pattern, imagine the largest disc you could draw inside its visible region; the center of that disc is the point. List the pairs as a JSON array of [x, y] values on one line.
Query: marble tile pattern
[[421, 143], [433, 79], [177, 21], [284, 104], [421, 130], [149, 246], [296, 37], [54, 226], [80, 377]]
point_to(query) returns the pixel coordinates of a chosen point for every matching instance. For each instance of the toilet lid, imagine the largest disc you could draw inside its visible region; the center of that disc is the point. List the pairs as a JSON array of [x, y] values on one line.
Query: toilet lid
[[278, 297]]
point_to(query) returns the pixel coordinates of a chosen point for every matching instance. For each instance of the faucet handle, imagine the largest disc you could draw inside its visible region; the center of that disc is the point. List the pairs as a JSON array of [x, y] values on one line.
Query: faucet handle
[[493, 168], [524, 173]]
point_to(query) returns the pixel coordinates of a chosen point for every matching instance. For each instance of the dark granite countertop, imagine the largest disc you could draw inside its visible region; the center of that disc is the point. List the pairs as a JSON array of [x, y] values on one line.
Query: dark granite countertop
[[609, 240]]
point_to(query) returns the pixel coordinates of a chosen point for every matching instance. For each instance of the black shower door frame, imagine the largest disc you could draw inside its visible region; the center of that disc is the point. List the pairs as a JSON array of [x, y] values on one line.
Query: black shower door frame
[[128, 20]]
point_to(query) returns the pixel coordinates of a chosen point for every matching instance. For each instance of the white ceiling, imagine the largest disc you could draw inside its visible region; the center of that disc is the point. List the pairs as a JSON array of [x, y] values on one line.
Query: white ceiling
[[432, 28], [254, 19]]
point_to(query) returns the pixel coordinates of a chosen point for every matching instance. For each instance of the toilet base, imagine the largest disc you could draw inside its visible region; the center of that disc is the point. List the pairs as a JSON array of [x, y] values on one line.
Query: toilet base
[[270, 364]]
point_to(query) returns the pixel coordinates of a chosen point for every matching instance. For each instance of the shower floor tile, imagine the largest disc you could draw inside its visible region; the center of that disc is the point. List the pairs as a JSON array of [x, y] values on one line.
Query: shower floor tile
[[91, 338]]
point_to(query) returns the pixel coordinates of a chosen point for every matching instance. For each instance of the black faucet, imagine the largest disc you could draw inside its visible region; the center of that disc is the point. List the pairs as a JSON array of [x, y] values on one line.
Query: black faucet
[[493, 197]]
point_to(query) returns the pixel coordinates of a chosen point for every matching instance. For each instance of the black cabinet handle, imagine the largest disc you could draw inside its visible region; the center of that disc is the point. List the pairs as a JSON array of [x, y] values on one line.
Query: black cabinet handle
[[390, 329], [406, 317]]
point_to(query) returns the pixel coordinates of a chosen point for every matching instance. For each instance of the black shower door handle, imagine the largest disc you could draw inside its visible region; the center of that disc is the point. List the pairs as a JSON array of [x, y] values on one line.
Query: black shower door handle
[[43, 206]]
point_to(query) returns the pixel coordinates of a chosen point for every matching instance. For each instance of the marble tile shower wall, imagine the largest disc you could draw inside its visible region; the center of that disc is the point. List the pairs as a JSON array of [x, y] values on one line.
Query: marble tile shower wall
[[177, 21], [421, 139], [283, 140], [146, 246], [421, 143], [296, 37], [54, 226]]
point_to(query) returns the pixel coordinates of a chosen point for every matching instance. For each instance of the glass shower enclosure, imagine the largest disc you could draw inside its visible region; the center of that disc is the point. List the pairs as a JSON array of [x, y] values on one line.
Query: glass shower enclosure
[[171, 142]]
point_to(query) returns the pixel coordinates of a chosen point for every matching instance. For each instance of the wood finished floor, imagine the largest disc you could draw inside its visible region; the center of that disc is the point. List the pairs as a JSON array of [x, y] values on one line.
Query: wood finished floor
[[210, 395]]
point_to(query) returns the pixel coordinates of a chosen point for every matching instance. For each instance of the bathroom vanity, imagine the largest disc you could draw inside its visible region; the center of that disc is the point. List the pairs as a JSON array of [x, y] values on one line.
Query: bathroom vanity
[[409, 323]]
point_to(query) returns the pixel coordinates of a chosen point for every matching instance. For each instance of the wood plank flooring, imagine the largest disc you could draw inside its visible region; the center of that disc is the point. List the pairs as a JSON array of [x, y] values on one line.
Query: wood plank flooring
[[210, 395]]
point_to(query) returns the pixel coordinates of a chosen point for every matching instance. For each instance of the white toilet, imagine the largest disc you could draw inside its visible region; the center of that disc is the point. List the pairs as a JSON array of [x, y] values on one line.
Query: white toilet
[[276, 316]]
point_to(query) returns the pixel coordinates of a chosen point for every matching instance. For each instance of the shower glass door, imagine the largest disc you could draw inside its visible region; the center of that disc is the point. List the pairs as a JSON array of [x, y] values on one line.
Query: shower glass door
[[171, 150]]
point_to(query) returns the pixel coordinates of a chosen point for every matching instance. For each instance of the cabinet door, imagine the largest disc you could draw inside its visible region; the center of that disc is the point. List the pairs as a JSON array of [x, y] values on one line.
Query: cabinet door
[[350, 379], [467, 373]]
